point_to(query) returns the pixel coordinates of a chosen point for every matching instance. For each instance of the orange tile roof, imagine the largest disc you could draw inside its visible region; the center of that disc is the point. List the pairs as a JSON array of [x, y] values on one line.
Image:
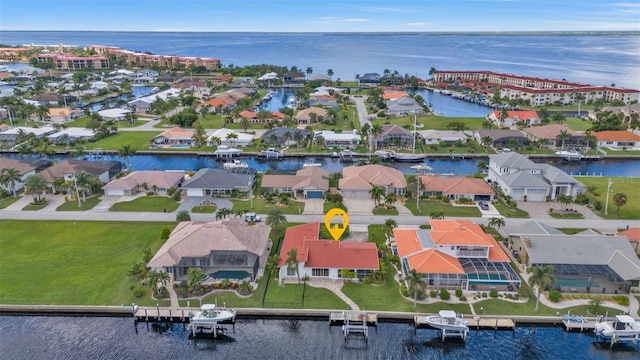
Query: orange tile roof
[[549, 131], [432, 261], [633, 234], [406, 241], [616, 136], [393, 94], [458, 232], [294, 238], [455, 185], [520, 114]]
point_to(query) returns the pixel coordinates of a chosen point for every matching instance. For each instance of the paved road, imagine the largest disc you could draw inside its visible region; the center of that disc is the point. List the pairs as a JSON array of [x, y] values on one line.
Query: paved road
[[362, 109]]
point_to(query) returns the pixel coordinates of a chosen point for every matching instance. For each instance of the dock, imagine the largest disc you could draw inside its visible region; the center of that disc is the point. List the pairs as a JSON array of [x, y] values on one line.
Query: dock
[[477, 322], [574, 326], [354, 323]]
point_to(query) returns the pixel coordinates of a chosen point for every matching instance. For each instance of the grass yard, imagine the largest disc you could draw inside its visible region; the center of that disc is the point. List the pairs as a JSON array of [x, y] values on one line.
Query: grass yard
[[33, 207], [510, 212], [137, 139], [578, 124], [146, 204], [73, 262], [571, 231], [431, 122], [626, 185], [290, 294], [385, 211], [259, 206], [204, 209], [501, 307], [429, 206], [328, 205], [72, 205], [8, 201], [376, 234], [556, 215]]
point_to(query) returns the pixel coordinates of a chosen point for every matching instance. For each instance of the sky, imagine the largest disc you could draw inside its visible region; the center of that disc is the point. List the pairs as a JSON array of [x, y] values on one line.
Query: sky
[[321, 15]]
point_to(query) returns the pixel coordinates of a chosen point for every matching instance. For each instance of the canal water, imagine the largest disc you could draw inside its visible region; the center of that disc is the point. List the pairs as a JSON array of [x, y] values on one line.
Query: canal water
[[54, 338]]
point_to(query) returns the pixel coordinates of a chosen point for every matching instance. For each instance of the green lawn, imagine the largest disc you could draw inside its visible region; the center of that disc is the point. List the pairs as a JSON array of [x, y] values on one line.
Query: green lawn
[[33, 207], [8, 201], [290, 294], [376, 234], [146, 204], [501, 307], [259, 206], [510, 212], [578, 124], [138, 140], [204, 209], [83, 120], [73, 262], [626, 185], [72, 205], [385, 211], [428, 206], [570, 231], [432, 122], [328, 205], [566, 215]]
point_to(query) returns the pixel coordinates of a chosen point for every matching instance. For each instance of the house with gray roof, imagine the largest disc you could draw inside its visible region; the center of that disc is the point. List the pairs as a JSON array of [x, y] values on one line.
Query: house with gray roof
[[222, 250], [585, 262], [274, 137], [404, 106], [501, 138], [212, 182], [522, 179], [157, 181], [393, 136], [369, 79]]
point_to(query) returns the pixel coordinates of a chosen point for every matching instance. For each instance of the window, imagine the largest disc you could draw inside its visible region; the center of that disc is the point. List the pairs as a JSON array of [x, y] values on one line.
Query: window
[[291, 271], [320, 272]]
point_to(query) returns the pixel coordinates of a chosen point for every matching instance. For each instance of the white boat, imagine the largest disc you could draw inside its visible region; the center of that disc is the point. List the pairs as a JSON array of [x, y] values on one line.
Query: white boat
[[410, 157], [623, 329], [570, 154], [347, 155], [310, 163], [451, 324], [271, 153], [235, 164], [422, 168], [293, 102], [155, 89], [225, 151], [210, 316], [385, 154]]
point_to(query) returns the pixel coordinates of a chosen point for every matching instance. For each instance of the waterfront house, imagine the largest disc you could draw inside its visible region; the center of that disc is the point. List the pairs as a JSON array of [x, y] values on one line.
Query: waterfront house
[[68, 169], [369, 80], [548, 135], [223, 249], [626, 112], [260, 118], [393, 136], [223, 137], [357, 181], [143, 104], [445, 137], [618, 140], [324, 259], [501, 138], [456, 188], [390, 94], [276, 137], [294, 77], [337, 140], [405, 105], [67, 135], [522, 179], [212, 182], [24, 169], [584, 262], [455, 254], [219, 103], [115, 114], [308, 183], [527, 117], [174, 137], [47, 99], [138, 181], [9, 136], [269, 77], [57, 115], [311, 115]]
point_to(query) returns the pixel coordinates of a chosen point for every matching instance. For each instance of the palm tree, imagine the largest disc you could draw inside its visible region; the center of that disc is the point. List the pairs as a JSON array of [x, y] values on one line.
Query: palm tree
[[35, 185], [195, 277], [245, 123], [564, 135], [415, 284], [330, 74], [390, 199], [81, 181], [482, 165], [436, 215], [541, 277], [45, 149], [376, 194], [309, 71], [231, 137], [199, 136], [272, 264], [619, 199], [496, 223], [376, 130], [126, 152], [504, 115], [42, 111], [292, 262], [487, 141], [10, 177], [579, 98], [163, 278], [558, 117], [275, 219], [183, 215], [389, 225], [487, 124], [565, 200]]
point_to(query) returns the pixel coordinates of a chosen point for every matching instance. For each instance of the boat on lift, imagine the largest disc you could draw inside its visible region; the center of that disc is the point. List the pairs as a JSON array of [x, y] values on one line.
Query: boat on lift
[[235, 164], [422, 168], [450, 323], [623, 328], [311, 163], [569, 155]]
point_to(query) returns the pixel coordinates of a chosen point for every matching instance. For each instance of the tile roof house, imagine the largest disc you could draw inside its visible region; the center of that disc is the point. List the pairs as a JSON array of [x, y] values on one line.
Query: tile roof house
[[618, 139], [309, 182], [304, 116], [455, 254], [68, 168], [393, 94], [456, 187], [404, 106], [24, 169], [218, 248], [323, 259], [448, 137], [585, 262], [369, 79], [174, 137], [523, 179], [275, 136], [393, 136], [219, 103], [357, 181], [138, 181], [633, 234], [528, 117], [62, 115], [211, 182], [548, 135], [501, 138]]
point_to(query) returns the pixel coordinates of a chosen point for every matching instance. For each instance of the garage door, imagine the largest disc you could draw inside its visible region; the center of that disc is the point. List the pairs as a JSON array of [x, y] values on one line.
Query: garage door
[[314, 195]]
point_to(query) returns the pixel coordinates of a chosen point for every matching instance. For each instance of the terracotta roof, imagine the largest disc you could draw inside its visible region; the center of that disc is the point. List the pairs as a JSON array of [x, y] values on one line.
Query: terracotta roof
[[406, 241], [520, 114], [21, 167], [176, 132], [311, 176], [432, 261], [616, 136], [549, 131], [318, 253], [71, 166], [456, 185], [62, 112], [365, 177], [161, 179], [306, 113], [465, 232], [198, 239], [393, 94], [223, 101], [633, 234]]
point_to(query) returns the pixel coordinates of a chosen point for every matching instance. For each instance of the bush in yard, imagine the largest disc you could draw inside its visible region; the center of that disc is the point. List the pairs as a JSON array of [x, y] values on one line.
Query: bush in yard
[[164, 233], [493, 293], [554, 295], [444, 294], [458, 292], [621, 300], [433, 293], [403, 290], [484, 294], [462, 298]]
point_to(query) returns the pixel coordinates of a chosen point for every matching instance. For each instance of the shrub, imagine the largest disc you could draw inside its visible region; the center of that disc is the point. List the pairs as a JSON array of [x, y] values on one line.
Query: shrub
[[484, 294], [525, 291], [458, 292], [138, 292], [444, 294], [493, 293], [403, 290], [164, 233], [433, 293], [462, 298], [554, 295], [621, 300]]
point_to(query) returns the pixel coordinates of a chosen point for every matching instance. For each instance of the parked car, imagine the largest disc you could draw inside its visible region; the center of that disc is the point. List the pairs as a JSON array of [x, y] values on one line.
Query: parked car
[[252, 217], [484, 205]]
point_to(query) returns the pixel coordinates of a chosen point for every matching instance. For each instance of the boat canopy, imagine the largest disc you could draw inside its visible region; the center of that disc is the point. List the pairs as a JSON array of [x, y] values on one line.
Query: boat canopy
[[625, 319], [447, 313]]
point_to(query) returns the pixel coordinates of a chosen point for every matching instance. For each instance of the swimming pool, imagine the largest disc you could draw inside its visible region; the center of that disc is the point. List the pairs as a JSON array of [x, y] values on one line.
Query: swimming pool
[[575, 283], [230, 275]]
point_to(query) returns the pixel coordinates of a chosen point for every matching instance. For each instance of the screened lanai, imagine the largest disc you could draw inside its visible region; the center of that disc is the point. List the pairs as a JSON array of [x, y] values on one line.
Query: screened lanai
[[487, 275]]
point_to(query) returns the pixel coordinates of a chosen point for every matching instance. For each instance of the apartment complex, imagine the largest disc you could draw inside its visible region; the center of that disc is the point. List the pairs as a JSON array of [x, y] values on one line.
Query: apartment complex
[[166, 61], [66, 62]]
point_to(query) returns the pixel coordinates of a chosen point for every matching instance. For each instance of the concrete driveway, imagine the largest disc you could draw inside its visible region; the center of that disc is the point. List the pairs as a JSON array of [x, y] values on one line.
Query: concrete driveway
[[359, 206], [492, 212], [313, 206]]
